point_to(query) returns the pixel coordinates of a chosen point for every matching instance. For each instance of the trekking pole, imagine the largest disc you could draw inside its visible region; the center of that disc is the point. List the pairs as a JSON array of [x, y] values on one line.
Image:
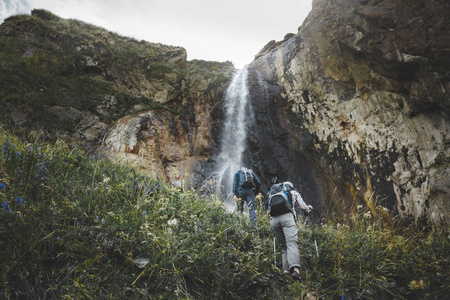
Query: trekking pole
[[314, 233], [274, 253]]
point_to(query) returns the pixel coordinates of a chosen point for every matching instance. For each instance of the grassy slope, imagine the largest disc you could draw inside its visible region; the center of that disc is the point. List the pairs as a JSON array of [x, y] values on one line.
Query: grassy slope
[[48, 61], [73, 228], [79, 225]]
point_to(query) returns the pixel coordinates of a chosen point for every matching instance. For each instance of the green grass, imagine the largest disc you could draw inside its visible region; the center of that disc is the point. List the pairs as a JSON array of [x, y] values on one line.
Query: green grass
[[81, 224], [74, 228], [380, 259]]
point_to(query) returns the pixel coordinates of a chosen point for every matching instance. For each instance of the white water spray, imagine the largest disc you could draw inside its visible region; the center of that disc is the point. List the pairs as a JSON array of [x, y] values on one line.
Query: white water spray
[[238, 118]]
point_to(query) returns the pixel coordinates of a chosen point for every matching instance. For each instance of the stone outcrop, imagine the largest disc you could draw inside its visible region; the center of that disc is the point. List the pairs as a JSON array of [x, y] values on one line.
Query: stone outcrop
[[359, 98], [167, 144], [137, 102]]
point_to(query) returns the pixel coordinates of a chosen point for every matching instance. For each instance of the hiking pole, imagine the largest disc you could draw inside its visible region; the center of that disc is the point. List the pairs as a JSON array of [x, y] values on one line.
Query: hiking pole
[[314, 234], [274, 253]]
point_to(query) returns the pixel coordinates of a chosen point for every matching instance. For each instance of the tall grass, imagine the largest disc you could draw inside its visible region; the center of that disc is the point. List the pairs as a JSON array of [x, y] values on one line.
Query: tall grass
[[376, 258], [74, 228]]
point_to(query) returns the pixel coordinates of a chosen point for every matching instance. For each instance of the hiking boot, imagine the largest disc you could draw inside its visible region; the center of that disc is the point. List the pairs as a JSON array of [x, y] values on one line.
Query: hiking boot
[[296, 274], [286, 272]]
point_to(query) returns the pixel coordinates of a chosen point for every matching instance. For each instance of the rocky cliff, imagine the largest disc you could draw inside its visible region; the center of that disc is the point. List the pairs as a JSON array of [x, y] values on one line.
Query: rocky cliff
[[137, 102], [354, 108]]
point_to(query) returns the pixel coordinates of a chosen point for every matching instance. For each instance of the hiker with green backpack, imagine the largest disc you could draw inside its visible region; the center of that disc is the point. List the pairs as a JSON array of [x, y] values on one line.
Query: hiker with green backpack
[[280, 208], [245, 186]]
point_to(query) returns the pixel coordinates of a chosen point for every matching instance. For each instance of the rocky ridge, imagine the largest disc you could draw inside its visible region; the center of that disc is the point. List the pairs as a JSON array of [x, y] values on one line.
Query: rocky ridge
[[360, 95], [134, 101]]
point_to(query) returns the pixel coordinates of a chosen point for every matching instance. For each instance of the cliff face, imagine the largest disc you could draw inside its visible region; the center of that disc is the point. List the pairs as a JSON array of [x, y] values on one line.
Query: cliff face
[[353, 109], [171, 144], [138, 102], [357, 107]]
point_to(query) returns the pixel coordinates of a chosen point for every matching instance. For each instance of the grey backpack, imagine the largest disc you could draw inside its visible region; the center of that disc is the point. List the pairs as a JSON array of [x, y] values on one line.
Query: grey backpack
[[280, 201]]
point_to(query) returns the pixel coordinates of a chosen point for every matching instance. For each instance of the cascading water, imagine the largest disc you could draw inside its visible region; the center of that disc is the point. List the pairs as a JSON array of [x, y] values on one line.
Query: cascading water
[[238, 118]]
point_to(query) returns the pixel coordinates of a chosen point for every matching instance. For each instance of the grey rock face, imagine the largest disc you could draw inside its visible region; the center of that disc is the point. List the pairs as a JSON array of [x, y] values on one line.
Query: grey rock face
[[359, 101]]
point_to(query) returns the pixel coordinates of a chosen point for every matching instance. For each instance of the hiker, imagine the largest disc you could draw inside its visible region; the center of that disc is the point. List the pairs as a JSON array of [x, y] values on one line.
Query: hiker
[[245, 186], [281, 210]]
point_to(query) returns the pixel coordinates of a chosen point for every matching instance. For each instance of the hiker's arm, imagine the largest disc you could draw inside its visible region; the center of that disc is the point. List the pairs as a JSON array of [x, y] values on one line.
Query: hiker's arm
[[300, 202]]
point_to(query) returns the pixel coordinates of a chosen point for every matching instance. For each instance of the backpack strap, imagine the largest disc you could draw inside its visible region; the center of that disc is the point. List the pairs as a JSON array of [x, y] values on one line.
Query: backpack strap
[[289, 196], [245, 174]]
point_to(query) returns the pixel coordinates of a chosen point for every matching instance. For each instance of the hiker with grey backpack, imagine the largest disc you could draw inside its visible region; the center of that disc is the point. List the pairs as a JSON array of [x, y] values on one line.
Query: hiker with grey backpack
[[280, 208], [245, 186]]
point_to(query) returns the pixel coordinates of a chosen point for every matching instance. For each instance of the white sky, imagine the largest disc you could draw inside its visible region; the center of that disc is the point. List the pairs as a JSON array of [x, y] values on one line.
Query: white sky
[[217, 30]]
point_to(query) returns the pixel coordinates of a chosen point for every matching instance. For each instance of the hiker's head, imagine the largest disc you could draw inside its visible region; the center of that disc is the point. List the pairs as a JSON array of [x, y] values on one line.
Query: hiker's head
[[288, 184]]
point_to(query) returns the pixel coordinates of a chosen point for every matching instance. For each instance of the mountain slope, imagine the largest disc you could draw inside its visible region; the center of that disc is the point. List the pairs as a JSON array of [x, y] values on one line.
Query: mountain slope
[[66, 79]]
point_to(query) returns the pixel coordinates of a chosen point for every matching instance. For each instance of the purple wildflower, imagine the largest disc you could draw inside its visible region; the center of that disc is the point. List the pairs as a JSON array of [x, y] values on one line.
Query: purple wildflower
[[19, 200]]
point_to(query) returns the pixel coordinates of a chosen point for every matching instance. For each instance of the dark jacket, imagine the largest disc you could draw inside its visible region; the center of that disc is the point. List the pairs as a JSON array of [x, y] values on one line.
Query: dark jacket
[[236, 187]]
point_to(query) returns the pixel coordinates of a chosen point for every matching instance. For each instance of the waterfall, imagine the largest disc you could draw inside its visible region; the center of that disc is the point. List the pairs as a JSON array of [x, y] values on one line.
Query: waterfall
[[238, 118]]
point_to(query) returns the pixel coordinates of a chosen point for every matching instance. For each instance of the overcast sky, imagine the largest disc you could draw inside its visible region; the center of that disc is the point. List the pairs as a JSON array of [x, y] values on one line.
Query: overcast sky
[[217, 30]]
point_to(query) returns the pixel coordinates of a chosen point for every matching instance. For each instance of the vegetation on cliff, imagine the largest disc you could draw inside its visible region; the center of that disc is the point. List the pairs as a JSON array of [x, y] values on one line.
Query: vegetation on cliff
[[74, 228], [50, 61], [47, 62]]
